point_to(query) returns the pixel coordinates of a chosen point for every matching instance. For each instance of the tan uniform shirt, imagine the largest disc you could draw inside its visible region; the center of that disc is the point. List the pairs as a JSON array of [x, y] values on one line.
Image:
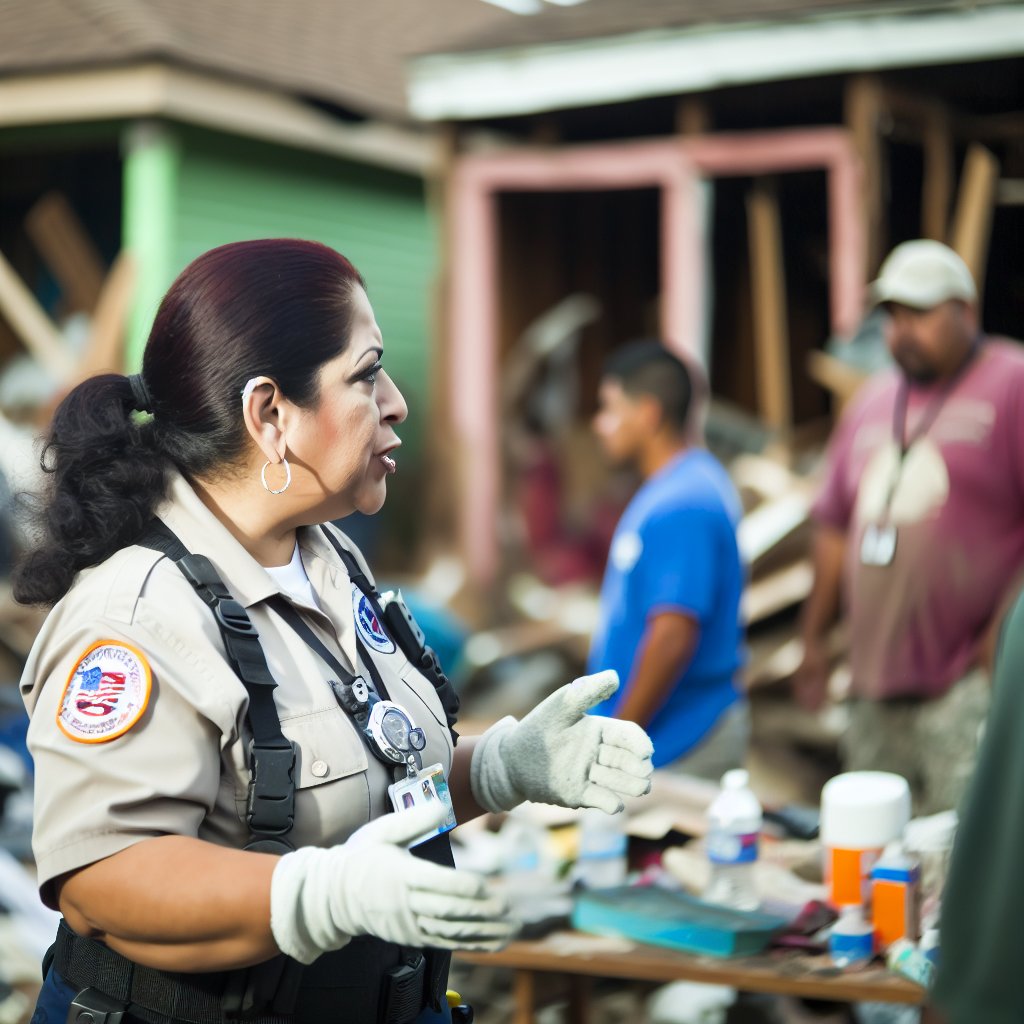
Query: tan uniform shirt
[[181, 768]]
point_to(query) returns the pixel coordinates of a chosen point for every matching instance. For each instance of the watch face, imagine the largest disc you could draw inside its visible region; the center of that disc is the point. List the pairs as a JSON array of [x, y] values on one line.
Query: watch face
[[396, 728], [393, 733]]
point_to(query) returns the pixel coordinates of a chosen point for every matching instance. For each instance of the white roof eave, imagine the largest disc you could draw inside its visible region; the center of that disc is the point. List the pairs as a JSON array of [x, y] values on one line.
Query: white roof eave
[[588, 72]]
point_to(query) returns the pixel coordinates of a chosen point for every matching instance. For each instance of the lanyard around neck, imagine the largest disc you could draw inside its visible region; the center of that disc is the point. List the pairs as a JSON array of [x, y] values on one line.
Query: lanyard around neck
[[924, 424], [305, 632], [931, 413]]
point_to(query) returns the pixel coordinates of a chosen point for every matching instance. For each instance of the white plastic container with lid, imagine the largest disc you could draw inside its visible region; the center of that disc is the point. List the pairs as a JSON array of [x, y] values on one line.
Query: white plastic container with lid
[[860, 813], [734, 827]]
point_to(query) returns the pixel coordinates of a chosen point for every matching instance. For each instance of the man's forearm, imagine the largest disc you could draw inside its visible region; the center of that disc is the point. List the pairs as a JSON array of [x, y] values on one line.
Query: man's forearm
[[822, 605], [661, 659]]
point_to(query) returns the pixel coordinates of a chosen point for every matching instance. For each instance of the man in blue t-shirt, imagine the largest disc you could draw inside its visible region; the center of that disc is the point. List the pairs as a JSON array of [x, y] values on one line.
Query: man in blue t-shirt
[[670, 600]]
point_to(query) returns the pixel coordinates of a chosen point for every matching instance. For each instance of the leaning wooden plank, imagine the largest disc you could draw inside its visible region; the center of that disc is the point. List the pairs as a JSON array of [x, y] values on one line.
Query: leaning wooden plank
[[69, 252], [763, 478], [104, 352], [841, 378], [972, 221], [771, 523], [937, 188], [771, 335], [864, 104], [30, 322], [778, 591]]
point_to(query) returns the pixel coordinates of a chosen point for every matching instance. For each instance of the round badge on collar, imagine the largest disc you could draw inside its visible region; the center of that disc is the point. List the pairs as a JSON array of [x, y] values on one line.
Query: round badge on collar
[[106, 693], [370, 628]]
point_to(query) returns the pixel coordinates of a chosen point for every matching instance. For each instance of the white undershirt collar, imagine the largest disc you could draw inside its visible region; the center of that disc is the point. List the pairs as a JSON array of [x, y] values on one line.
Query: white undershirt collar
[[293, 581]]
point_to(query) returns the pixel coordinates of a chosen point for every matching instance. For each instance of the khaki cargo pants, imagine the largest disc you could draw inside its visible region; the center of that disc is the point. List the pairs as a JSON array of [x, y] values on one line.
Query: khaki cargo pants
[[933, 744]]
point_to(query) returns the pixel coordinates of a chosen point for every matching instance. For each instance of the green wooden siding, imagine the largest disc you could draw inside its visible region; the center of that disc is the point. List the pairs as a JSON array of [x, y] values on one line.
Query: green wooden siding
[[234, 189], [152, 172]]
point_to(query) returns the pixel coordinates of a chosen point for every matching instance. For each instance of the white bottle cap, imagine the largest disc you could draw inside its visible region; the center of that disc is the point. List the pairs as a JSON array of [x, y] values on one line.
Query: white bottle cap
[[864, 810], [735, 778]]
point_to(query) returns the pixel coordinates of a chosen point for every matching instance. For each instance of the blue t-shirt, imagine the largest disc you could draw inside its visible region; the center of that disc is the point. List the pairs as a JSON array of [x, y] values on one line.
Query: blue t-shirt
[[675, 550]]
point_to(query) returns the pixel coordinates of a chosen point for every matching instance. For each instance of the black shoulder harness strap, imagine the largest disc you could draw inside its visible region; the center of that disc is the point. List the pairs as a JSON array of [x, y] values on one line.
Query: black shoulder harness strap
[[271, 801]]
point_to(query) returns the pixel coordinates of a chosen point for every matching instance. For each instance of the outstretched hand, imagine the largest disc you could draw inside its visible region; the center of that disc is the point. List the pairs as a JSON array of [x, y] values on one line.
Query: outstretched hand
[[561, 755]]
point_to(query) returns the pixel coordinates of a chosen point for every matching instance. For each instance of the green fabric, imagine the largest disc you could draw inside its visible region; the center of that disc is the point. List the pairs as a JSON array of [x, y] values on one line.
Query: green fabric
[[979, 976]]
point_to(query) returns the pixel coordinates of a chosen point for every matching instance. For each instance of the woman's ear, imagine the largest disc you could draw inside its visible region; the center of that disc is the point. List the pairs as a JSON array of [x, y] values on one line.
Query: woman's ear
[[261, 409]]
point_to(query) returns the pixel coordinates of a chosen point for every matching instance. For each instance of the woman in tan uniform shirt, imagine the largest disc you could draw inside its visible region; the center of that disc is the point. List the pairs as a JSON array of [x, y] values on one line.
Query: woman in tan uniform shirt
[[270, 413]]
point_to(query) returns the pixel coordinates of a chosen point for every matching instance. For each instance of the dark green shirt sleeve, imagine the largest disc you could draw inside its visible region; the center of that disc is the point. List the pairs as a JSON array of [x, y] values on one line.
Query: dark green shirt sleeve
[[981, 976]]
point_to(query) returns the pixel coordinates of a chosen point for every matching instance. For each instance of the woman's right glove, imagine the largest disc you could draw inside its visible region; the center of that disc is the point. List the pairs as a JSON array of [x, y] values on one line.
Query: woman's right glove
[[372, 885]]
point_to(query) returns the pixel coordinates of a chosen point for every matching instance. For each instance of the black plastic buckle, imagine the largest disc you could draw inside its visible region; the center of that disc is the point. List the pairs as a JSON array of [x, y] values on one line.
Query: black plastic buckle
[[234, 618], [271, 800], [93, 1007], [199, 571]]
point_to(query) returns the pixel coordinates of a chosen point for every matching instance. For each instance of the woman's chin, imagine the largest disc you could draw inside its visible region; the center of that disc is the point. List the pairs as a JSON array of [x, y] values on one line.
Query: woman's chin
[[371, 503]]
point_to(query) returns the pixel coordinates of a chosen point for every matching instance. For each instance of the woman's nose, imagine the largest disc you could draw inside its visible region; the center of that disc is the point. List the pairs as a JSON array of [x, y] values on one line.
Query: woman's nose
[[390, 400]]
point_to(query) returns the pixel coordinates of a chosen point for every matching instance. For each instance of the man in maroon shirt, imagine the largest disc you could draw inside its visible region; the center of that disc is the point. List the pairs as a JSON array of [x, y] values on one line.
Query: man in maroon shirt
[[920, 529]]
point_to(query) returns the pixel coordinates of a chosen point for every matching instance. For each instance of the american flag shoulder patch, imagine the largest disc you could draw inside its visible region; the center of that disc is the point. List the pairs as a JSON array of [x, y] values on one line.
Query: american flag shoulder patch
[[106, 693]]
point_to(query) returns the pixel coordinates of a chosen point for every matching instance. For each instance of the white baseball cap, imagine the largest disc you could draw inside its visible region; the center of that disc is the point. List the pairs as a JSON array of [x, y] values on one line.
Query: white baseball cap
[[922, 274]]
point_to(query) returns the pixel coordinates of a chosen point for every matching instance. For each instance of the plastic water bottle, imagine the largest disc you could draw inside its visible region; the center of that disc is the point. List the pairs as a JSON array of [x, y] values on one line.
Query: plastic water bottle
[[602, 854], [525, 866], [734, 824]]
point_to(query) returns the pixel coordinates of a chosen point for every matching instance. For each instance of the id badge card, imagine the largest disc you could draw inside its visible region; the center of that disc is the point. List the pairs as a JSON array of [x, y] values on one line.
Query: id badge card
[[878, 545], [427, 784]]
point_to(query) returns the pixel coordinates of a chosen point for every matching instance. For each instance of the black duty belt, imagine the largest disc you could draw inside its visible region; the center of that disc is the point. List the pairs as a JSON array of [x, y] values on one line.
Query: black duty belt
[[148, 994], [333, 987]]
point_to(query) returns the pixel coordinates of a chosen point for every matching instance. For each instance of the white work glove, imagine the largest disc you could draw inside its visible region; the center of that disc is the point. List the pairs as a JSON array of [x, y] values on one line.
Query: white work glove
[[558, 754], [372, 885]]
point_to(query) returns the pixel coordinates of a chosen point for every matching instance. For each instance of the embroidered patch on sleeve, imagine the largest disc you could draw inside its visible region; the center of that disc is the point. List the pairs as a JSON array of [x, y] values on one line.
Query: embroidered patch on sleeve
[[106, 693]]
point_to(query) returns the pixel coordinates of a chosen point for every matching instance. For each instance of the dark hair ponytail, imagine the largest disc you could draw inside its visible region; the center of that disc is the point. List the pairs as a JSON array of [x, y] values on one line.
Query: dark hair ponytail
[[278, 307], [104, 480]]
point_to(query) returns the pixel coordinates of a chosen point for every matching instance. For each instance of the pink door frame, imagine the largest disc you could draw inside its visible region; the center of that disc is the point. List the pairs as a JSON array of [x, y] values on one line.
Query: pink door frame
[[676, 166]]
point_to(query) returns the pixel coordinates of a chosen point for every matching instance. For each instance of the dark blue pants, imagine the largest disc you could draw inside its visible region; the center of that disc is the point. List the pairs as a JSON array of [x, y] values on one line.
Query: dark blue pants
[[54, 1000]]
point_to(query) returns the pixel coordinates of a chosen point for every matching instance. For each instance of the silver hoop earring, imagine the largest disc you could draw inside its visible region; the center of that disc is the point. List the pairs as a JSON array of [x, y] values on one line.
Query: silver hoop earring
[[287, 477]]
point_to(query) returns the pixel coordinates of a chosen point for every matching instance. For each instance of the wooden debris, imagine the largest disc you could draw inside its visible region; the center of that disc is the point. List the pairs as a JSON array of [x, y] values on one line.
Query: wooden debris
[[778, 591], [972, 221], [771, 334], [839, 377], [30, 322], [69, 252], [104, 352]]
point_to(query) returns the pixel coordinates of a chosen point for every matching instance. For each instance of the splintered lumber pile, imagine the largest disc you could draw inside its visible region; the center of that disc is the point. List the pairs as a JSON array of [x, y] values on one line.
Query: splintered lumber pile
[[775, 541], [48, 344], [86, 289], [793, 750]]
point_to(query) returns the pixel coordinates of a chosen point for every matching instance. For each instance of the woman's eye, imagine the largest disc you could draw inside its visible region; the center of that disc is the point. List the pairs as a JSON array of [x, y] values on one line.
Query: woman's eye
[[371, 374]]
